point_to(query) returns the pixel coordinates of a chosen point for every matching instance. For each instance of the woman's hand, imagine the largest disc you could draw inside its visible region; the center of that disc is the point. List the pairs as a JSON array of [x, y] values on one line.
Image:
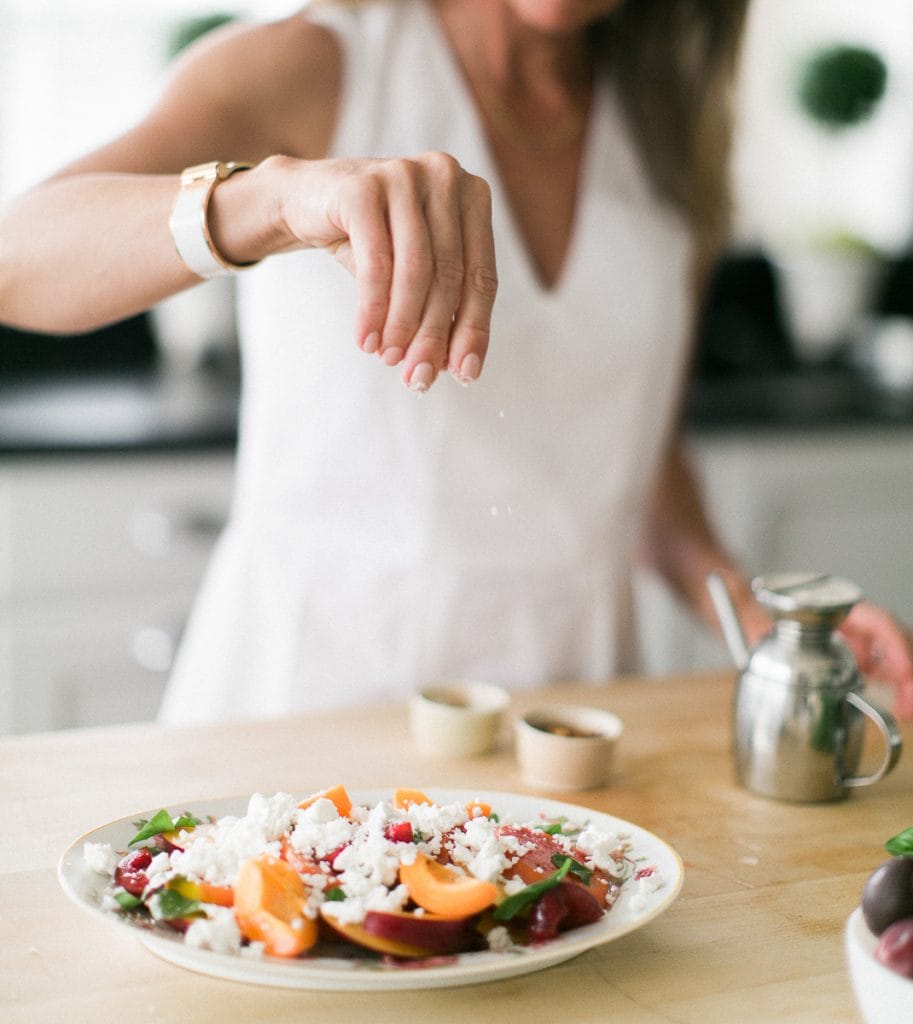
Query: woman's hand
[[416, 234], [883, 649]]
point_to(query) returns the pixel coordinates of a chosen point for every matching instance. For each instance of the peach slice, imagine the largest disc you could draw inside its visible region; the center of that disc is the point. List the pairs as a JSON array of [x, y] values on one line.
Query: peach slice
[[407, 935]]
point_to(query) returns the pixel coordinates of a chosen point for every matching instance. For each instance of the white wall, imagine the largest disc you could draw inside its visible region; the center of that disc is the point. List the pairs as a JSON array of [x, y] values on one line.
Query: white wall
[[794, 179], [75, 72]]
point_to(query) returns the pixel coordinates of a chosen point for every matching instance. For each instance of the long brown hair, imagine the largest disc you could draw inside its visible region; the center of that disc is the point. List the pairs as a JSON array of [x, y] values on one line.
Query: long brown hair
[[675, 63]]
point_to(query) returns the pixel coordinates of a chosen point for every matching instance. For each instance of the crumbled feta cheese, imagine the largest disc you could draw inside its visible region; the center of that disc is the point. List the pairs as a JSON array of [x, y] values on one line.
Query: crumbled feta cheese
[[159, 865], [321, 811], [481, 851], [315, 839], [215, 852], [100, 857], [218, 932], [499, 940], [605, 850]]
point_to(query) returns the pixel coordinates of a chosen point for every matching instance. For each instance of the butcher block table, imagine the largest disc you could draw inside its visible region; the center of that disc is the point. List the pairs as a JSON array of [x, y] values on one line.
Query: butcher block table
[[754, 936]]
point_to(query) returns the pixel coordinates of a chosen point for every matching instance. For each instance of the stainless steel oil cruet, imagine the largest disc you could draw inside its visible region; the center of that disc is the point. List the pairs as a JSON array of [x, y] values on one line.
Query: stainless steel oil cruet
[[798, 712]]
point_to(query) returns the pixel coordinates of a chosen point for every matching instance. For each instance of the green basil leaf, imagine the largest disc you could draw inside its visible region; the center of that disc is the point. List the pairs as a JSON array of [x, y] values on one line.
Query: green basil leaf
[[127, 901], [168, 904], [161, 822], [334, 895], [509, 908], [187, 821], [580, 870], [901, 843], [158, 823], [553, 829]]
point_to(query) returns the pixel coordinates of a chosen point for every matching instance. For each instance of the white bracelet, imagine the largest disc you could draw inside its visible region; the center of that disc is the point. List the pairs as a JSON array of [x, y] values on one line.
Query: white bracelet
[[189, 219]]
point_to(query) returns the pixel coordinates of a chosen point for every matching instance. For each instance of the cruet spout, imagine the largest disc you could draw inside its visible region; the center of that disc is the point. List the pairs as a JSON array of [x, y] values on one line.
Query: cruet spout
[[729, 621]]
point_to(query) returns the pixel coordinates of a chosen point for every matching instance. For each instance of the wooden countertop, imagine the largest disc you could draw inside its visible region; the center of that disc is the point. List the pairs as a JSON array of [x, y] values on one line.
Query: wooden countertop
[[755, 936]]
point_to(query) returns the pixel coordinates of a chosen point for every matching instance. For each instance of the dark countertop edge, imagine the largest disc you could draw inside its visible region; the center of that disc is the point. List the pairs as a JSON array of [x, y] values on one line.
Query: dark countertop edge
[[199, 415], [153, 446]]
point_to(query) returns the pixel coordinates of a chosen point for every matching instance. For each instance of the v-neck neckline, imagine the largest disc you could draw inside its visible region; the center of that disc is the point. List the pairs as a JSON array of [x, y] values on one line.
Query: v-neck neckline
[[491, 171]]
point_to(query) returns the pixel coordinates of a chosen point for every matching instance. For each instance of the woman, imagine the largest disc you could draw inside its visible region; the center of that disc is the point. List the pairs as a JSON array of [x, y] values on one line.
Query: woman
[[378, 542]]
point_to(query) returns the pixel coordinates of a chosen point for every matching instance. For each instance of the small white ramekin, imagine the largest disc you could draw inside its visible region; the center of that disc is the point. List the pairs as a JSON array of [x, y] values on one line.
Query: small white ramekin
[[581, 759], [457, 719]]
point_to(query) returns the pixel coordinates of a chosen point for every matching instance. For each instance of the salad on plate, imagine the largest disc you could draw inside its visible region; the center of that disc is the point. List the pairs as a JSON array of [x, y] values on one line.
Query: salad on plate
[[403, 879]]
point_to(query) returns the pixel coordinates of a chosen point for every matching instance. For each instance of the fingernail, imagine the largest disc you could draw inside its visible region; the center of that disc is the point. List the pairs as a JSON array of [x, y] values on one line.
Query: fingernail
[[422, 377], [469, 369], [371, 344], [392, 356]]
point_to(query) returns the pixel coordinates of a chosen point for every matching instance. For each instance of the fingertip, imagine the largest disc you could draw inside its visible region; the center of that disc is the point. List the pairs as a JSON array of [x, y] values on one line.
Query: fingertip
[[468, 370], [421, 378], [392, 356]]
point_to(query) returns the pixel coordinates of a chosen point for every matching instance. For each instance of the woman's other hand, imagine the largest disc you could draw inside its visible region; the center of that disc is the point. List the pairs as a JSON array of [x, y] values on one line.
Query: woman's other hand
[[883, 649], [416, 234]]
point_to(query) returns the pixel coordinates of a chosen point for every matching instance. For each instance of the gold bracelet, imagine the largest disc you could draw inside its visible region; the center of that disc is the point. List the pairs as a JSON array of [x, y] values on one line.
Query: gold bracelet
[[189, 223]]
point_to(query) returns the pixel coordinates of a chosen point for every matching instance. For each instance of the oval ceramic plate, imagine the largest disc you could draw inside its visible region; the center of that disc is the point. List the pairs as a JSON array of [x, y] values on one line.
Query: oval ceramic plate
[[355, 973]]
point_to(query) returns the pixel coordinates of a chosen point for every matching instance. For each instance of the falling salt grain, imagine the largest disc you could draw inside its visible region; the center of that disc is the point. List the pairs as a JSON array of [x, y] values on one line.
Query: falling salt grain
[[494, 510]]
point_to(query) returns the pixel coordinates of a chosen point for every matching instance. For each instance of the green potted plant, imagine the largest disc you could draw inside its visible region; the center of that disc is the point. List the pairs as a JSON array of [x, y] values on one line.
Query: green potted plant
[[828, 281]]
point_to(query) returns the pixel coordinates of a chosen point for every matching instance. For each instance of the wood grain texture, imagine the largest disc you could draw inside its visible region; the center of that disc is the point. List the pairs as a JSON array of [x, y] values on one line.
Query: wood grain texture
[[755, 936]]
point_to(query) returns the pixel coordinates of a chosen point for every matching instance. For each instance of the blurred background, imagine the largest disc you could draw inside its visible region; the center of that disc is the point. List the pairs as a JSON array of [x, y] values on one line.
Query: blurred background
[[116, 449]]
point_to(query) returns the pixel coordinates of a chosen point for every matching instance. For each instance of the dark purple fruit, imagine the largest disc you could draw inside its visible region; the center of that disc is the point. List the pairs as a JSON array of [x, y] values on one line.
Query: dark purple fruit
[[569, 905], [895, 947], [888, 894]]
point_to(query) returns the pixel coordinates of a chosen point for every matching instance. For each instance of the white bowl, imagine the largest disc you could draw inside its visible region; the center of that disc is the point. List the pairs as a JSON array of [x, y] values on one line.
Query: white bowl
[[457, 719], [581, 758], [884, 997]]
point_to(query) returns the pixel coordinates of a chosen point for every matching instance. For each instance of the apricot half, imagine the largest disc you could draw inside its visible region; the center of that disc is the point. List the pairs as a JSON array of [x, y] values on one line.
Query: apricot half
[[442, 890], [337, 795], [270, 902]]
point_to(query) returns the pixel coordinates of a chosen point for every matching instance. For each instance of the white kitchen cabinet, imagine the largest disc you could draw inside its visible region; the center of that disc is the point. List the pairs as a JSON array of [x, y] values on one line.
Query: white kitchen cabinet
[[100, 557], [837, 501]]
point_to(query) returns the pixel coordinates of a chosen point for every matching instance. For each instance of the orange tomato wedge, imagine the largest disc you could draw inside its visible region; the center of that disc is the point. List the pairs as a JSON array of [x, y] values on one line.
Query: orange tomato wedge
[[441, 890], [337, 795], [270, 905]]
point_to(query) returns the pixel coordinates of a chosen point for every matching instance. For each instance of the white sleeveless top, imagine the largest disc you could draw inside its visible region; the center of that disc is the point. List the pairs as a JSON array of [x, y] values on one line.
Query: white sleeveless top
[[381, 540]]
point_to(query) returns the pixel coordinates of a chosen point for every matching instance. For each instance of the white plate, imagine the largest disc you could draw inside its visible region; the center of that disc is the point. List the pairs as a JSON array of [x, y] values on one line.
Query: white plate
[[365, 973], [884, 997]]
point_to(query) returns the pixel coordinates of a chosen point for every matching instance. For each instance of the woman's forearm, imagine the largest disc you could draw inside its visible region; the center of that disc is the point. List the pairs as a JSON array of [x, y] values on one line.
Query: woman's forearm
[[680, 544], [86, 249]]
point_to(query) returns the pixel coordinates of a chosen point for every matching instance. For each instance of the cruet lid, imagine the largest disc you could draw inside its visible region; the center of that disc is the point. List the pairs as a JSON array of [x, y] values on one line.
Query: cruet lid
[[814, 598]]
